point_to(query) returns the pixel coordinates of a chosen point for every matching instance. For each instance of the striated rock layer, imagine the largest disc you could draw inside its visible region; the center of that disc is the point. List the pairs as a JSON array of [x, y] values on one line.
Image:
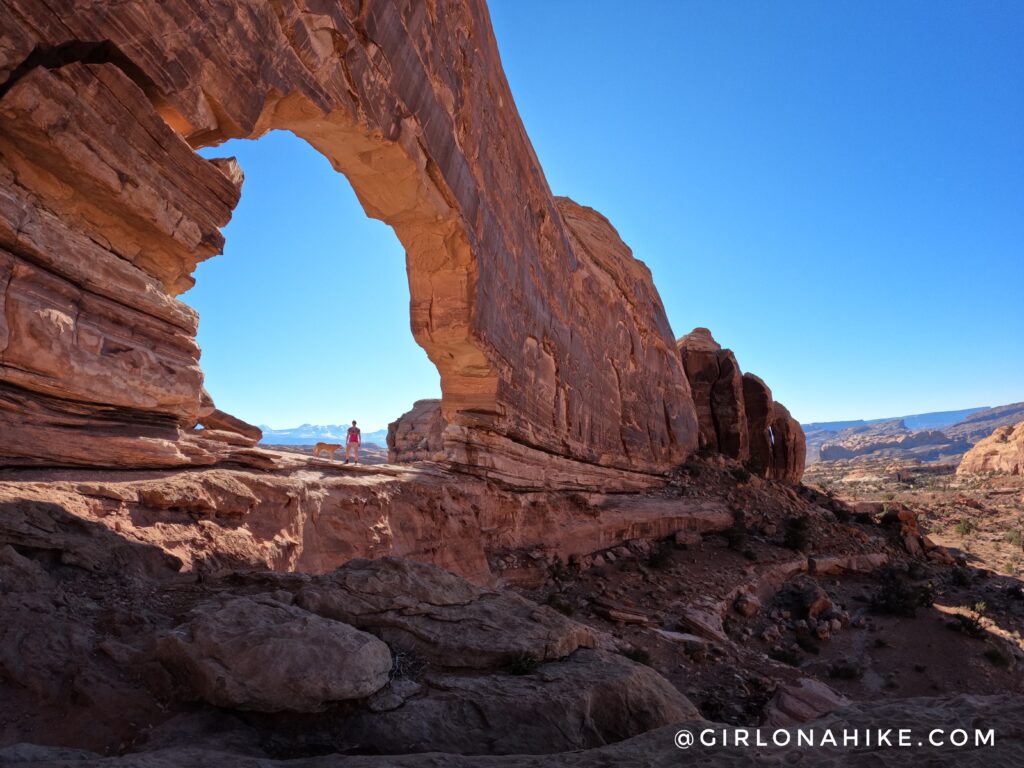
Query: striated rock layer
[[315, 518], [532, 308], [736, 414], [1000, 453]]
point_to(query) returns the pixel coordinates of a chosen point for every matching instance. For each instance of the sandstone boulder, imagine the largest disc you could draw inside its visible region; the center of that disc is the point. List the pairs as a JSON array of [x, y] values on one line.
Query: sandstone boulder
[[259, 654], [716, 385], [1002, 453], [801, 702], [224, 422], [440, 616], [590, 699], [417, 435]]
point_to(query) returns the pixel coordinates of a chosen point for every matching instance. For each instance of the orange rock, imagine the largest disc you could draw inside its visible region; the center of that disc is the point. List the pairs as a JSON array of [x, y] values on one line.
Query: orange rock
[[549, 337], [1002, 453], [716, 384]]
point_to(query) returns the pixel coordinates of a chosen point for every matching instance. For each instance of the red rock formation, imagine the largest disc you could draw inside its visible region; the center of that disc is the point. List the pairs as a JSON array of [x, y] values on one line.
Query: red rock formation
[[777, 444], [716, 384], [757, 405], [736, 413], [417, 435], [789, 448], [549, 337], [1002, 453]]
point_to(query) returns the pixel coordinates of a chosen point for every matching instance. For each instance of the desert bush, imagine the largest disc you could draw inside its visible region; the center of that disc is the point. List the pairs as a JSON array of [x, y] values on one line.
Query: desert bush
[[896, 596], [785, 655], [405, 665], [796, 532], [966, 527], [521, 663], [808, 644], [845, 670], [740, 474], [660, 557], [996, 657], [736, 534], [639, 655], [560, 604], [970, 625], [960, 576]]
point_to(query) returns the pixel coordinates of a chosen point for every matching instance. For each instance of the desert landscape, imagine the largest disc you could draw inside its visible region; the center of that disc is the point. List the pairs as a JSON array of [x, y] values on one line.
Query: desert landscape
[[601, 536]]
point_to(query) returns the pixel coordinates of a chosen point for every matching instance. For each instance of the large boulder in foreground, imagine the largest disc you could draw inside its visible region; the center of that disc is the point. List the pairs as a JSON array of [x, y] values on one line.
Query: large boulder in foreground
[[1001, 453], [256, 653], [716, 384], [440, 616], [588, 700]]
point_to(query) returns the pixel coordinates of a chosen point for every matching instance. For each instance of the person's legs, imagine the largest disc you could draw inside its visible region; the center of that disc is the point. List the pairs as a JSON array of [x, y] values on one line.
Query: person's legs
[[348, 452], [356, 447]]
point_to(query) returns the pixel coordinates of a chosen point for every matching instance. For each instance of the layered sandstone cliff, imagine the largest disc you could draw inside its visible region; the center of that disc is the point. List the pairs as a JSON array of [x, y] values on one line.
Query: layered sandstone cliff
[[1002, 453], [736, 414]]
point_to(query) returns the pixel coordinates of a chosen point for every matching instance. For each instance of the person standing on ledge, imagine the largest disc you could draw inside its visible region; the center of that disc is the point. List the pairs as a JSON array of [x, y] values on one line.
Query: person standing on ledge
[[352, 443]]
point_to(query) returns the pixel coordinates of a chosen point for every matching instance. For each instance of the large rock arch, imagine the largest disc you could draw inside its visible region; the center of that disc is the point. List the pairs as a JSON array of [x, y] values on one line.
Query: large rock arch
[[551, 340]]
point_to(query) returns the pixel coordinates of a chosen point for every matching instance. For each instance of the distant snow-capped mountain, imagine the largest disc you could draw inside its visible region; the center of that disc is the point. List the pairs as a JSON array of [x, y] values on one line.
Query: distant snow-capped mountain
[[308, 434]]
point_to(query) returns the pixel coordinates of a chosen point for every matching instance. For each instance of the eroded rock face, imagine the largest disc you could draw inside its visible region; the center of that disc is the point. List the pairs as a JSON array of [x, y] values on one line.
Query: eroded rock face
[[737, 416], [1002, 452], [716, 384], [260, 654], [417, 435], [531, 307], [758, 406], [789, 448]]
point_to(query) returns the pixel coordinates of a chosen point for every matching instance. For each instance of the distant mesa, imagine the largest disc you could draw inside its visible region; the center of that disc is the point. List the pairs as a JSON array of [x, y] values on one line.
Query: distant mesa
[[943, 436]]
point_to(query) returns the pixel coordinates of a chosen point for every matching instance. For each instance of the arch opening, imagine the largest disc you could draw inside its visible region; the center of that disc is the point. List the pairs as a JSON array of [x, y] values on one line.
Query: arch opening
[[304, 319]]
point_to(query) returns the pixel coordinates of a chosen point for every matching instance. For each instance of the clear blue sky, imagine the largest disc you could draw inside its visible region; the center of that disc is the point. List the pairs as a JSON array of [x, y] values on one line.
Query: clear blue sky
[[835, 189]]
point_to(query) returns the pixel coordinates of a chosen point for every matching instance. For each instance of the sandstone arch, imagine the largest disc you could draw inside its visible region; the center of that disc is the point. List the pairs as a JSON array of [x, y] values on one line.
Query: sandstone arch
[[550, 339]]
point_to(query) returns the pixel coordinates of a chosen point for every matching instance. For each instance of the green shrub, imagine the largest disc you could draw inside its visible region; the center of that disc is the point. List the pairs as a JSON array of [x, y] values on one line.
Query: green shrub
[[966, 527], [970, 625], [896, 596]]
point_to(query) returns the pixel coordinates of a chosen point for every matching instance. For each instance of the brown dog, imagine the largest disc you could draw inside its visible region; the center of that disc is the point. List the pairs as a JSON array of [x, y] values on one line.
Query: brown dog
[[328, 448]]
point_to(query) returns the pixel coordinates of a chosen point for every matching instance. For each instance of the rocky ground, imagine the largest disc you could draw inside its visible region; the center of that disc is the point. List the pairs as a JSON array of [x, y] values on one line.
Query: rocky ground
[[794, 606], [978, 517]]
